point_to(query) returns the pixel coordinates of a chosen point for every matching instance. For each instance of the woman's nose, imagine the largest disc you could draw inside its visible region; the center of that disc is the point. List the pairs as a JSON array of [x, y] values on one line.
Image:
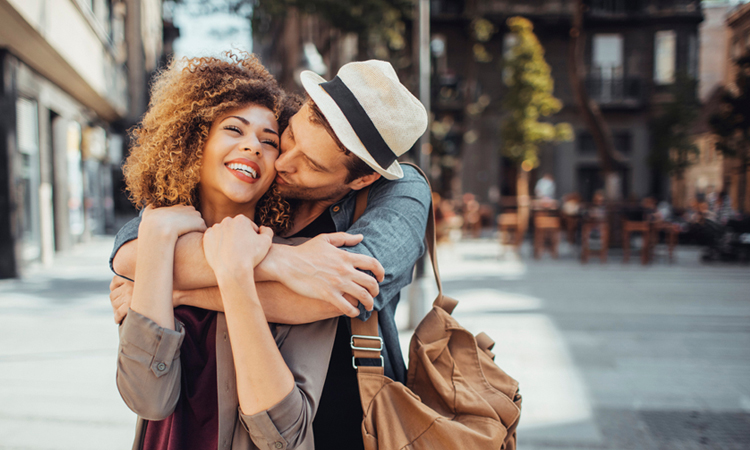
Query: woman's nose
[[252, 145]]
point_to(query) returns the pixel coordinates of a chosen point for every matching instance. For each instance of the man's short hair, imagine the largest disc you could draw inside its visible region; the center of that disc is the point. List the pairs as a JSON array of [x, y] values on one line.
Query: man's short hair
[[356, 167]]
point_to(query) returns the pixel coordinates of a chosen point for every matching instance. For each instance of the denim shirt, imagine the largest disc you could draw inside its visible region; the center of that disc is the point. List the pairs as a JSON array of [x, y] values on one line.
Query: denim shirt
[[393, 226]]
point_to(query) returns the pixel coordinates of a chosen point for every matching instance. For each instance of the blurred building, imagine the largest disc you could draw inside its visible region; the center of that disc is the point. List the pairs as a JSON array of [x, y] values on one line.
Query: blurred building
[[706, 174], [738, 21], [634, 50], [74, 76]]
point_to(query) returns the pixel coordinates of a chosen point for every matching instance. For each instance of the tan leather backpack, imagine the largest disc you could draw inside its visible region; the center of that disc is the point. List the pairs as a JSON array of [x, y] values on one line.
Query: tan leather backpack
[[455, 396]]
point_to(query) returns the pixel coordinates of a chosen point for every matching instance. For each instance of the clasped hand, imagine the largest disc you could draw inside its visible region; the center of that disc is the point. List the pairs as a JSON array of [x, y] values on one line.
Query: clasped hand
[[235, 246]]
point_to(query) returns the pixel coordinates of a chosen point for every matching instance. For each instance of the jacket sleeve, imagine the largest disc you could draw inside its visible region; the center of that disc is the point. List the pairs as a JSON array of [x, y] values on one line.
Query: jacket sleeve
[[393, 227], [148, 366], [306, 349], [127, 233]]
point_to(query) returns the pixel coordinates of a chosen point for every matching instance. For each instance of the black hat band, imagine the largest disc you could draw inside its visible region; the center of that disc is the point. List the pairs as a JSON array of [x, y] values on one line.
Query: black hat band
[[360, 122]]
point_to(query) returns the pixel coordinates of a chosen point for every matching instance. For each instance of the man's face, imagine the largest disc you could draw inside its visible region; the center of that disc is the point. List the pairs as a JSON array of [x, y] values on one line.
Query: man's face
[[311, 166]]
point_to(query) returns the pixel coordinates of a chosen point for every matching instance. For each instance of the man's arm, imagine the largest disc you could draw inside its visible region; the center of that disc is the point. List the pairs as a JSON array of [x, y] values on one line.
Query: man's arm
[[319, 280], [294, 310], [393, 226]]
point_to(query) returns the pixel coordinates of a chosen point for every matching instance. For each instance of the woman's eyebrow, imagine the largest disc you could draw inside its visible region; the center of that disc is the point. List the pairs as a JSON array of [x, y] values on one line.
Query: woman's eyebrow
[[247, 122]]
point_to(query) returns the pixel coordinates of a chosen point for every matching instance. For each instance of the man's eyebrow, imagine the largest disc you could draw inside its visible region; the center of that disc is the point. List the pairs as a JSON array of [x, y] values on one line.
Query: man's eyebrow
[[247, 122]]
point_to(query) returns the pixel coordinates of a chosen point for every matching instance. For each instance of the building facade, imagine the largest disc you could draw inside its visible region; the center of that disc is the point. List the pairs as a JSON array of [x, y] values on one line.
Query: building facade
[[737, 169], [74, 76], [634, 50]]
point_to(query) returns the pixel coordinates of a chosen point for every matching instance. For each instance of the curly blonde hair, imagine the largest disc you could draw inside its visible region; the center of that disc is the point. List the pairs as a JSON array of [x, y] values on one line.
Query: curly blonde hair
[[163, 167]]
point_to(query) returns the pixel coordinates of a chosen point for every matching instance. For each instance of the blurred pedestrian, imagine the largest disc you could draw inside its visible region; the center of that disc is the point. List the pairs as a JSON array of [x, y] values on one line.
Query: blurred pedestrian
[[545, 187]]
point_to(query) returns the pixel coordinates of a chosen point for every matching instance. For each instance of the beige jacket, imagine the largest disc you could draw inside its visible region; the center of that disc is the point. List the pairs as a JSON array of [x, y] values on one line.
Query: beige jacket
[[148, 378]]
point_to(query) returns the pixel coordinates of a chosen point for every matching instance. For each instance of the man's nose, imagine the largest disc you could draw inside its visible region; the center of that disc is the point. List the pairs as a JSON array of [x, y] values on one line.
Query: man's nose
[[284, 162]]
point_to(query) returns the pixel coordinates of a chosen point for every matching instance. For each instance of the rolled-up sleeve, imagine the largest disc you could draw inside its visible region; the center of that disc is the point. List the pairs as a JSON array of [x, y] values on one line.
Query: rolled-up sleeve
[[306, 349], [148, 366]]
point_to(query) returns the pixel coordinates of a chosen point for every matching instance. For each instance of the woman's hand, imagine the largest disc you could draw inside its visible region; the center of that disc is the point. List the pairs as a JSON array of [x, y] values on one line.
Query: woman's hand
[[235, 246], [173, 221]]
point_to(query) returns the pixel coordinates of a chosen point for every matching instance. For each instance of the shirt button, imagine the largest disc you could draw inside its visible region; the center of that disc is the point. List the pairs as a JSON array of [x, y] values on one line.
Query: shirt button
[[278, 444], [161, 367], [225, 336], [335, 209]]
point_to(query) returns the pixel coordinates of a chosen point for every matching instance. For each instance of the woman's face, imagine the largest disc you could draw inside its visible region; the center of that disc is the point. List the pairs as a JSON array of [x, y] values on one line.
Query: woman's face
[[238, 156]]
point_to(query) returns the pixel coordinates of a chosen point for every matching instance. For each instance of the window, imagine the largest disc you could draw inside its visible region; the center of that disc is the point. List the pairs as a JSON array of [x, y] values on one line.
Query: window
[[607, 56], [692, 59], [607, 66], [664, 56]]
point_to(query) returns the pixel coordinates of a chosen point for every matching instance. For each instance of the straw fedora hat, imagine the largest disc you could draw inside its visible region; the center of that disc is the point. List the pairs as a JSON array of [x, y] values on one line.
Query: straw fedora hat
[[371, 112]]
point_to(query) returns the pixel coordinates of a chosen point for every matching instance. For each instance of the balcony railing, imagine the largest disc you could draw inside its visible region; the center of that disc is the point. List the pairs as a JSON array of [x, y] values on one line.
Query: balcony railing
[[615, 91], [529, 8], [604, 8]]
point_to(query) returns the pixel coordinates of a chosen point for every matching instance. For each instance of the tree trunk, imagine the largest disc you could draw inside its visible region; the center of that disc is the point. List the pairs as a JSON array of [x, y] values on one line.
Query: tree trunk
[[678, 199], [742, 184], [609, 158], [362, 46], [523, 201], [291, 39]]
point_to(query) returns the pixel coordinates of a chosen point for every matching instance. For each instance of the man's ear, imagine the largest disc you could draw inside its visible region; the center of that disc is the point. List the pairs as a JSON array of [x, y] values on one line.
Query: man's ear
[[363, 182]]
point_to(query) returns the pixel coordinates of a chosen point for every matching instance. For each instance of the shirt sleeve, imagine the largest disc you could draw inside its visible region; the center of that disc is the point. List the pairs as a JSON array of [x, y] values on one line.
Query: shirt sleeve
[[306, 349], [148, 366], [393, 227], [127, 233]]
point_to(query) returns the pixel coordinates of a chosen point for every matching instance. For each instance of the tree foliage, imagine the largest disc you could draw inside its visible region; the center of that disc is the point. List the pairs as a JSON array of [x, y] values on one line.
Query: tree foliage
[[528, 98], [732, 122], [673, 149], [378, 20], [381, 20]]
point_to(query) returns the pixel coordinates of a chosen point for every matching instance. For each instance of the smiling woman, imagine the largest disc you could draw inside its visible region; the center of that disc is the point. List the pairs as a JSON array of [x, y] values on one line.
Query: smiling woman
[[164, 166], [204, 157]]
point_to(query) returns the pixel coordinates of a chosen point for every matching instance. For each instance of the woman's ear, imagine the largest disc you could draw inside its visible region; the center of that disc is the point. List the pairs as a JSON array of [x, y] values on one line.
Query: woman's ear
[[363, 182]]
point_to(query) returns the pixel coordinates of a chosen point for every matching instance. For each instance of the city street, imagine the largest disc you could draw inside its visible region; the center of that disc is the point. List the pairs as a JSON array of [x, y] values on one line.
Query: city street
[[609, 356]]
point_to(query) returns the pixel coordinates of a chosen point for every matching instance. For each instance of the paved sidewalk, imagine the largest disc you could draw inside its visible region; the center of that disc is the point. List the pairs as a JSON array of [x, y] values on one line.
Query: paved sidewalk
[[58, 344], [612, 357]]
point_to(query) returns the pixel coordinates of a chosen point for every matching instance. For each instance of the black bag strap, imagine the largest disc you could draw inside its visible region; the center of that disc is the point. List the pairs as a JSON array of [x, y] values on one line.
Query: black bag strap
[[366, 341]]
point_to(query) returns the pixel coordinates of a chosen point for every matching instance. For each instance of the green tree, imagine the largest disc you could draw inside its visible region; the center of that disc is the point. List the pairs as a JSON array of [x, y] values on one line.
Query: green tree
[[528, 99], [732, 125], [379, 24], [673, 149]]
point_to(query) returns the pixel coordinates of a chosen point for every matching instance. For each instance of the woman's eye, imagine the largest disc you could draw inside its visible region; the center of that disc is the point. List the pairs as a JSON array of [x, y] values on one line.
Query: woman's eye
[[233, 128], [272, 143]]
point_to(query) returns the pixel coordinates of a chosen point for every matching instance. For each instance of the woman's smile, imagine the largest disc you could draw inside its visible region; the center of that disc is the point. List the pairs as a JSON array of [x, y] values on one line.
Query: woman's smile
[[244, 169]]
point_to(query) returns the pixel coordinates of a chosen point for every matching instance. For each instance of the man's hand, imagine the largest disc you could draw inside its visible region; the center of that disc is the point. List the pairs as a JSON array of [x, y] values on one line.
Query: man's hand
[[120, 295], [320, 270]]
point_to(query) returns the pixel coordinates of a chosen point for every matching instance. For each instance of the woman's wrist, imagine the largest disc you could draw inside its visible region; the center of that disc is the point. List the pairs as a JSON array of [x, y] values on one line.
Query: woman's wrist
[[156, 231]]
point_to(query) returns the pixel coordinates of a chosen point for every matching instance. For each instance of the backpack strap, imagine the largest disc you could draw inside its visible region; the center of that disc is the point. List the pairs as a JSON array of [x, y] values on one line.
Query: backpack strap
[[366, 342], [446, 303]]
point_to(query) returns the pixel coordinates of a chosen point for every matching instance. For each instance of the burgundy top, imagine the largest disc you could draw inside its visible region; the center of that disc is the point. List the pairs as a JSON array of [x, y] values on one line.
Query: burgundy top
[[194, 424]]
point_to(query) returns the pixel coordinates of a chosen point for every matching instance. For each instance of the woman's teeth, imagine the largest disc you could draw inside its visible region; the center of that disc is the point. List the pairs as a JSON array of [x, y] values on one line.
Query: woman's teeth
[[243, 168]]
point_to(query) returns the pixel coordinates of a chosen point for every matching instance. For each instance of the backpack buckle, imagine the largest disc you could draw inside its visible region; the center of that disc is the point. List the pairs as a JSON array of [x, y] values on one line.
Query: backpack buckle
[[366, 349], [378, 349]]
